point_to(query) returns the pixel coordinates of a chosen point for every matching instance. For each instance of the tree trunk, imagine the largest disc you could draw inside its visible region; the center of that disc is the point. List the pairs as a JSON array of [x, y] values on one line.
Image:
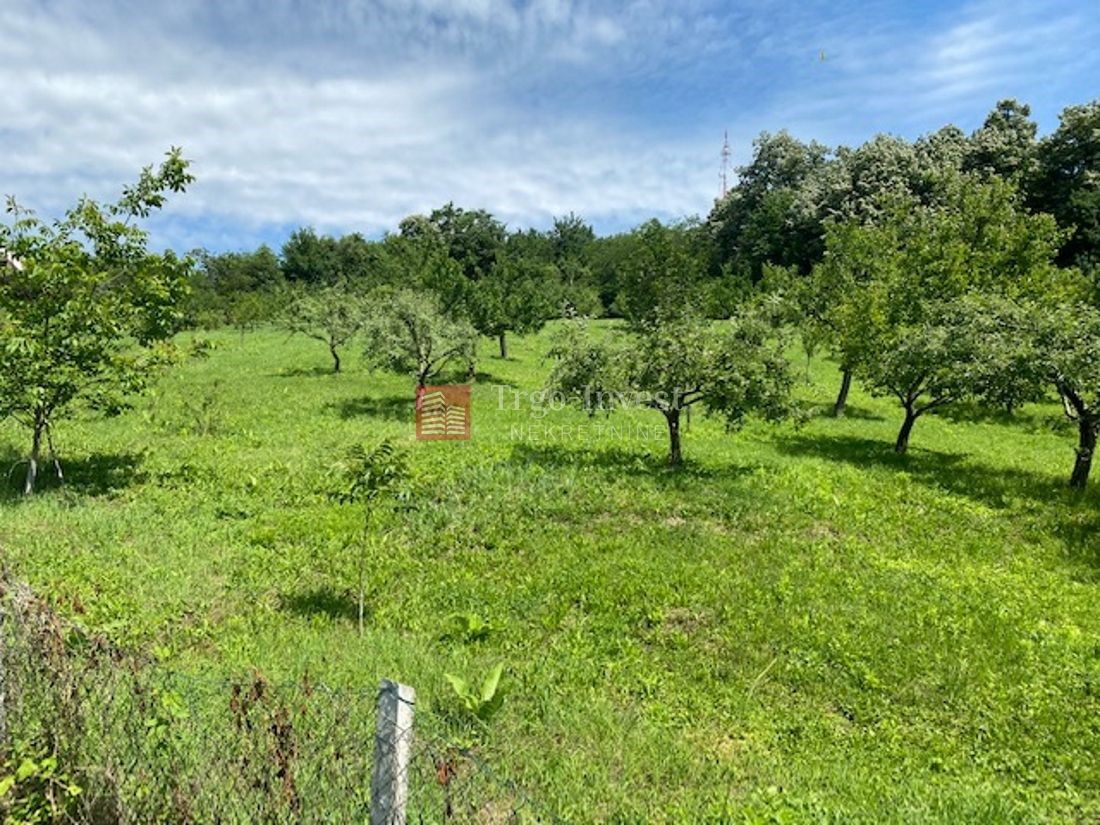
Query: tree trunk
[[53, 456], [362, 598], [842, 398], [902, 445], [675, 456], [1086, 448], [335, 358], [502, 338], [36, 453]]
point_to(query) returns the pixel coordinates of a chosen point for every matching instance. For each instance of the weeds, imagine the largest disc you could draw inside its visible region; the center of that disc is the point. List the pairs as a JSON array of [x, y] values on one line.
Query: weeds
[[878, 639]]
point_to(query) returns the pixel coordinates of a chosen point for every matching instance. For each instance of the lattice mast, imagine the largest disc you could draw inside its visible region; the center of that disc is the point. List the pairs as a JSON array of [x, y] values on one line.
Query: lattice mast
[[724, 175]]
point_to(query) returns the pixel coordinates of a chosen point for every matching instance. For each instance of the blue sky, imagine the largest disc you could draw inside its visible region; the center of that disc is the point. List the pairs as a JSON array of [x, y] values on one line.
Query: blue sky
[[348, 115]]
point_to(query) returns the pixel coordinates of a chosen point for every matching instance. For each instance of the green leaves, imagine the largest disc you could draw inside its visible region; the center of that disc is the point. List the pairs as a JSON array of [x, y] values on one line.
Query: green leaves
[[86, 291], [332, 314], [484, 703], [675, 360], [37, 791], [468, 627], [410, 333], [367, 475], [905, 300]]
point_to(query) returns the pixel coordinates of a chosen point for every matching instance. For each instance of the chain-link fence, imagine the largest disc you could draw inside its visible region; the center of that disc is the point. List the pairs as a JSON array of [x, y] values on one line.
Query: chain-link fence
[[93, 733]]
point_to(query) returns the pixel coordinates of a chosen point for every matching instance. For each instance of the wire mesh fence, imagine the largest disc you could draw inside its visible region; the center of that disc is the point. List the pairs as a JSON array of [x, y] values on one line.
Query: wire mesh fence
[[93, 733]]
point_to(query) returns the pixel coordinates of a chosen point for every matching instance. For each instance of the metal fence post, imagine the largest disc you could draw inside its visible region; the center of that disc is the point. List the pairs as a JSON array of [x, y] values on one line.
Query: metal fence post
[[389, 786]]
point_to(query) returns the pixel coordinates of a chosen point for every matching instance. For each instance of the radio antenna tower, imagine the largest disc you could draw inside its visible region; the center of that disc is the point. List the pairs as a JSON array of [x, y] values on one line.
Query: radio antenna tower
[[725, 163]]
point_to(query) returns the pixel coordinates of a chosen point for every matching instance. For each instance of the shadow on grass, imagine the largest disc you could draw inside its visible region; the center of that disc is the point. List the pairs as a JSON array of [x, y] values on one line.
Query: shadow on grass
[[1071, 517], [948, 471], [1030, 420], [493, 380], [93, 475], [304, 372], [322, 601], [850, 411], [392, 408], [1079, 531], [618, 461]]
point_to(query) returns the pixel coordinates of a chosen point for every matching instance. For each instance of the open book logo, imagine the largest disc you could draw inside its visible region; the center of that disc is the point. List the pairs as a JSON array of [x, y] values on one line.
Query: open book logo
[[443, 412]]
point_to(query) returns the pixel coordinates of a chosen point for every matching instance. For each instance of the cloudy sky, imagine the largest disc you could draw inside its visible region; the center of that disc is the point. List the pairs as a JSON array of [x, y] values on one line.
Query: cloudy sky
[[350, 114]]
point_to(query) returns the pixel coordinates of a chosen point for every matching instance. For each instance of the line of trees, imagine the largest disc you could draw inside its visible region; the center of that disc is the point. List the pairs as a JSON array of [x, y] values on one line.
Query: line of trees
[[950, 268], [954, 267]]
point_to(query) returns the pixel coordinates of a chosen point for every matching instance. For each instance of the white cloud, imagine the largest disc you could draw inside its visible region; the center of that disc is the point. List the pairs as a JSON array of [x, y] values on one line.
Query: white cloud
[[350, 114]]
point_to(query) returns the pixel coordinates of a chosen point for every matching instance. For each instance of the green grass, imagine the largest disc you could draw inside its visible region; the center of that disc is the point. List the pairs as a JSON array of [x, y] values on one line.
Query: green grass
[[796, 626]]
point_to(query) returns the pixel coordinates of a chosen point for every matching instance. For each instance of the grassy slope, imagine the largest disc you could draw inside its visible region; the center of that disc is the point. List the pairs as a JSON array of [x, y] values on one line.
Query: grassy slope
[[796, 622]]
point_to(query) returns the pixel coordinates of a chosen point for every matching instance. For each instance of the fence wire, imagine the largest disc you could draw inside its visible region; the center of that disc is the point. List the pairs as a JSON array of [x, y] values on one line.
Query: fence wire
[[92, 733]]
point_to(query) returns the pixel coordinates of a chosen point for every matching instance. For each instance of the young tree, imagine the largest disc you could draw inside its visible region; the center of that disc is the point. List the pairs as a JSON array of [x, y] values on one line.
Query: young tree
[[410, 333], [83, 304], [332, 315], [673, 362], [954, 352], [860, 186], [1052, 343], [378, 479], [853, 252], [249, 310]]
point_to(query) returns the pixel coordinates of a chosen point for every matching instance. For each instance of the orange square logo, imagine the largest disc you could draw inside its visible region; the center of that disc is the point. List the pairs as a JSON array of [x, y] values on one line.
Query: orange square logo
[[443, 412]]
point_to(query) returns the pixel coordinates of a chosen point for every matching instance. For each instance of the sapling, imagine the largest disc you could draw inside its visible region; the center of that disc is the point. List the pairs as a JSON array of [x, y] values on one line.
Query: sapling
[[377, 478]]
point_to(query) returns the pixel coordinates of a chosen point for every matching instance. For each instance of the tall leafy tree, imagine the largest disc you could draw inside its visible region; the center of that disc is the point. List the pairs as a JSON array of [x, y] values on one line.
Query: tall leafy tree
[[755, 223], [864, 182], [408, 332], [83, 304], [607, 258], [1005, 145], [571, 240], [333, 315], [359, 261], [418, 260], [674, 361], [471, 237], [570, 237], [518, 295], [895, 285], [1067, 182], [662, 272], [311, 259], [235, 285]]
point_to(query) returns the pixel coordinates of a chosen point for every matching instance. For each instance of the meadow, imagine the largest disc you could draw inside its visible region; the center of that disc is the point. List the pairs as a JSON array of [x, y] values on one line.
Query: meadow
[[797, 625]]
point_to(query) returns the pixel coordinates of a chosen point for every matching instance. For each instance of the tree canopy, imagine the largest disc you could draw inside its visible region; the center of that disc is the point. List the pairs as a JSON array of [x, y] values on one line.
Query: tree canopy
[[83, 304]]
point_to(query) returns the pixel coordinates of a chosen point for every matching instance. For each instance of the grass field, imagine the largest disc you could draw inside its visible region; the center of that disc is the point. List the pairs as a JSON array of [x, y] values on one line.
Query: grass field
[[796, 626]]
